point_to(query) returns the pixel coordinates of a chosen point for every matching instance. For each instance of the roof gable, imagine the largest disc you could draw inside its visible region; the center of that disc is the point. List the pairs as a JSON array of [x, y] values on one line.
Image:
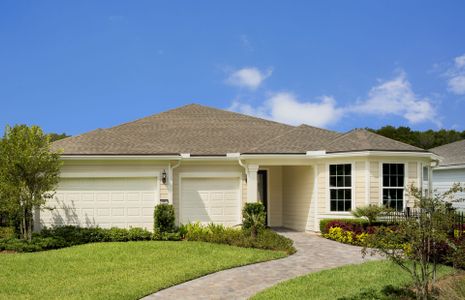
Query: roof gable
[[453, 153], [364, 140]]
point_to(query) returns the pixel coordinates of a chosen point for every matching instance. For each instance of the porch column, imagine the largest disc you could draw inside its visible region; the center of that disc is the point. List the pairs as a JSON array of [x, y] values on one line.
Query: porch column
[[252, 184]]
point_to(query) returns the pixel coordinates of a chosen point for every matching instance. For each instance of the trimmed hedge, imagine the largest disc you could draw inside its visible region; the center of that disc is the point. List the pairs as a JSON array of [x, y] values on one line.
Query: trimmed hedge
[[326, 224], [66, 236]]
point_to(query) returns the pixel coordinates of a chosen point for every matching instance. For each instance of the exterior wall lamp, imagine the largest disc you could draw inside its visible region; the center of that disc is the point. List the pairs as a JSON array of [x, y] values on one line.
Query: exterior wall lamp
[[163, 177]]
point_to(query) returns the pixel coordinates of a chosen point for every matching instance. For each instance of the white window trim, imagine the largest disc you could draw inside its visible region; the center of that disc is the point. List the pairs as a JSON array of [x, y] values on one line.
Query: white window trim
[[328, 188], [382, 187]]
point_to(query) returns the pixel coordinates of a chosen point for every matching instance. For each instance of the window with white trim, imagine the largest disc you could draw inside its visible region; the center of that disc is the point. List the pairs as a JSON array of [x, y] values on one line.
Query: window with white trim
[[425, 181], [393, 186], [340, 187]]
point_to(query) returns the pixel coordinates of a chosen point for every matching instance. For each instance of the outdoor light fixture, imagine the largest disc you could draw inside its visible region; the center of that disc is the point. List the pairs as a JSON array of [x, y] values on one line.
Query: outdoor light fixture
[[163, 177]]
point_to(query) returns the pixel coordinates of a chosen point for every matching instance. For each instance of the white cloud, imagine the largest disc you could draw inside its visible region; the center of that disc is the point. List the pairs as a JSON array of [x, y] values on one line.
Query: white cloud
[[456, 76], [396, 97], [249, 77], [286, 108], [389, 98]]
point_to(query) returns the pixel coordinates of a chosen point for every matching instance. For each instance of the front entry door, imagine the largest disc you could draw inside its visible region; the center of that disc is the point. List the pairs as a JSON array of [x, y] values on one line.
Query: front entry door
[[262, 181]]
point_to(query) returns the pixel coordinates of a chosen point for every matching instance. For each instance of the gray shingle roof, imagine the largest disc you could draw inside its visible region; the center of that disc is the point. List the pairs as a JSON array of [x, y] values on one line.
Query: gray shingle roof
[[453, 153], [364, 140], [298, 140], [194, 129], [201, 130]]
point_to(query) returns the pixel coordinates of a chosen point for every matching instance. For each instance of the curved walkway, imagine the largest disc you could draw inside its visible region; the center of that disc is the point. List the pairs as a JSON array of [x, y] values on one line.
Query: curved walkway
[[313, 254]]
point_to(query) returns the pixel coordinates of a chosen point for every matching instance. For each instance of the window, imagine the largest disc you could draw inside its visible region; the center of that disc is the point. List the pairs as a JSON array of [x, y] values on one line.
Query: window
[[340, 187], [425, 173], [393, 186], [425, 181]]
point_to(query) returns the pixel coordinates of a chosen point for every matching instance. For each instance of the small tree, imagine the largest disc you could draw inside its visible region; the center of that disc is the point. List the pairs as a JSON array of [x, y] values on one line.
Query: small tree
[[415, 244], [253, 218], [29, 173], [370, 212], [164, 218]]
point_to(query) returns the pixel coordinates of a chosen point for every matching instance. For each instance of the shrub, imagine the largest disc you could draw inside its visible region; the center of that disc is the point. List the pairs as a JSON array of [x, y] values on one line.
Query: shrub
[[370, 212], [351, 224], [254, 217], [265, 239], [164, 218], [36, 244], [340, 235], [7, 233], [139, 234]]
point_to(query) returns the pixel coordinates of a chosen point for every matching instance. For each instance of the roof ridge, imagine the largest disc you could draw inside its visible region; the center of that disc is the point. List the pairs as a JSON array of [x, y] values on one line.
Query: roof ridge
[[341, 136]]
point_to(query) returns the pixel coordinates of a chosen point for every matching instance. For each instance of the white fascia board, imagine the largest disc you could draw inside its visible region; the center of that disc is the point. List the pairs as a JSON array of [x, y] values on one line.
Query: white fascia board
[[185, 155], [120, 157], [379, 153], [234, 154], [316, 153], [450, 167]]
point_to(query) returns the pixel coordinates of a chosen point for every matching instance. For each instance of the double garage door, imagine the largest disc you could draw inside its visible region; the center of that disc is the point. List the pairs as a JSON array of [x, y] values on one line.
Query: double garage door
[[103, 202], [129, 202], [208, 200]]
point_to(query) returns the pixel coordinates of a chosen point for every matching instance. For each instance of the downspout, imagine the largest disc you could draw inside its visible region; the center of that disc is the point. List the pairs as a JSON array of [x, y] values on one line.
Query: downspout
[[171, 179]]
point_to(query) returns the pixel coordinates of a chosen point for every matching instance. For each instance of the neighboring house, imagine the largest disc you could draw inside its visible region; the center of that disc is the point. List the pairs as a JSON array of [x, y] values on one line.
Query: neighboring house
[[208, 162], [451, 168]]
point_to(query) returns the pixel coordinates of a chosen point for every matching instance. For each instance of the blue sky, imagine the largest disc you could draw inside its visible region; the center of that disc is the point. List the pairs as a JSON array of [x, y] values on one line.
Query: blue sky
[[73, 66]]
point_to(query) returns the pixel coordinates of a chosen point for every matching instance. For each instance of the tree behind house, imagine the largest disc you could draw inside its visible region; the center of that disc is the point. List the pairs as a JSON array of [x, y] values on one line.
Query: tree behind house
[[29, 173]]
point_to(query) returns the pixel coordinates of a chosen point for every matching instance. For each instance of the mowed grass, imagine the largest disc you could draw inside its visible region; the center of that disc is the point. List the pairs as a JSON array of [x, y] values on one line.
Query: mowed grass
[[128, 270], [341, 282]]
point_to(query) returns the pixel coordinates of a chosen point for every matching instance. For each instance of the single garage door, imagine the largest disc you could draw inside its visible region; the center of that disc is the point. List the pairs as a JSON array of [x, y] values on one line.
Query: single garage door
[[209, 200], [443, 181], [103, 202]]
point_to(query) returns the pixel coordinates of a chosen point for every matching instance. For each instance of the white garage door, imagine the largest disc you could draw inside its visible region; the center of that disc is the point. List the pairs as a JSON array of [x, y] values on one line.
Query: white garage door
[[210, 200], [444, 179], [103, 202]]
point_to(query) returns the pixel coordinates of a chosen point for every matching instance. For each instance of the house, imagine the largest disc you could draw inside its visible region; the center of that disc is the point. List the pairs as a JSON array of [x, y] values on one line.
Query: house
[[451, 168], [208, 162]]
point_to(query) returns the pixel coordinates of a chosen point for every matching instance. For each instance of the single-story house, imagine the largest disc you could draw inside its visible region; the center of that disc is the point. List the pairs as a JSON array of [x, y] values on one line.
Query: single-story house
[[208, 162], [451, 169]]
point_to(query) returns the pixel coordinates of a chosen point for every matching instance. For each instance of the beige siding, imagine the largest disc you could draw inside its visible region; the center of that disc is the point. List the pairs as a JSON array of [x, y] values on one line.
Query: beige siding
[[322, 186], [359, 183], [412, 178], [375, 183], [297, 196], [275, 195], [163, 191]]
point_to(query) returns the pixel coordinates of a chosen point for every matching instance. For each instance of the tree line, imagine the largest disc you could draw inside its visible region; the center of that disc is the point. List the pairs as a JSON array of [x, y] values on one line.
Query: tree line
[[424, 139]]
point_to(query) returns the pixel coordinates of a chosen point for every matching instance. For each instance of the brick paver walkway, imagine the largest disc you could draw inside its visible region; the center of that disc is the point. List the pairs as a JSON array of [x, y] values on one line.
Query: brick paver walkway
[[313, 254]]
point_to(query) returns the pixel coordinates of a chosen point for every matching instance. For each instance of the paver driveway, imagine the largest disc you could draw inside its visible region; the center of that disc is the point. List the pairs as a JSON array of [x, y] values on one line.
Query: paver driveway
[[313, 254]]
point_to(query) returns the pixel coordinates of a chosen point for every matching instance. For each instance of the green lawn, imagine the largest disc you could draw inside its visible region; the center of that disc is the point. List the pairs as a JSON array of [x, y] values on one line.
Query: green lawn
[[342, 282], [116, 270]]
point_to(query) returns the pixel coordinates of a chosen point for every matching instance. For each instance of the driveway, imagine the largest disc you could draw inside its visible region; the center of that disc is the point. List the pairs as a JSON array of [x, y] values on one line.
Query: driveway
[[314, 254]]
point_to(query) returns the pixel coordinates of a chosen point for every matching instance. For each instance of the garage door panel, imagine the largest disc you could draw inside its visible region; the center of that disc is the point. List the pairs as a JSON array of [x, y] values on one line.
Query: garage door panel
[[103, 202], [209, 200]]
